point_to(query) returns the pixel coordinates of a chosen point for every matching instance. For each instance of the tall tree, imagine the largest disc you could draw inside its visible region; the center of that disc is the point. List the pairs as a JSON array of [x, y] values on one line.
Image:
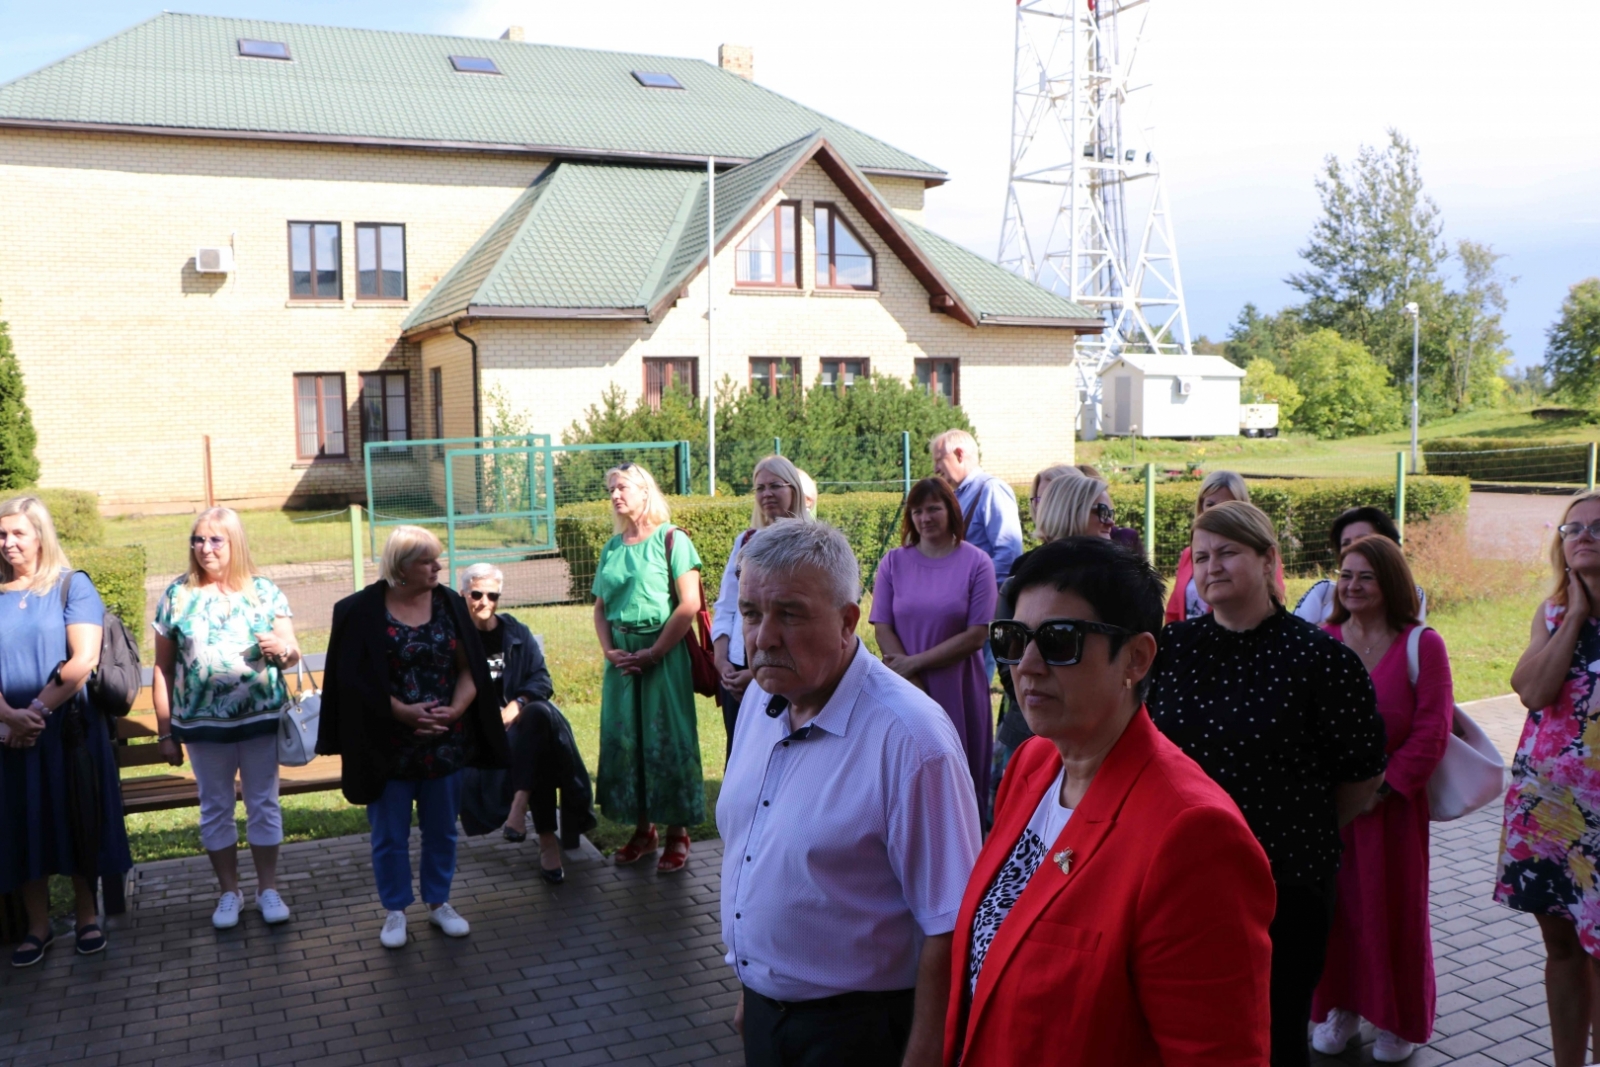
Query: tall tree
[[1347, 392], [1256, 336], [1572, 349], [19, 466], [1477, 341]]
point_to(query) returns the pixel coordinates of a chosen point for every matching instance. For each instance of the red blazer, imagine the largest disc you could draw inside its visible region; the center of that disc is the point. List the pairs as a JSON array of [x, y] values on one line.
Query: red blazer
[[1152, 949], [1177, 607]]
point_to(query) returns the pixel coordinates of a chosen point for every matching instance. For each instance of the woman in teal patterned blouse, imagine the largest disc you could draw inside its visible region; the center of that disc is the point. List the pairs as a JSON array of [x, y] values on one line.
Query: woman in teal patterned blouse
[[223, 640]]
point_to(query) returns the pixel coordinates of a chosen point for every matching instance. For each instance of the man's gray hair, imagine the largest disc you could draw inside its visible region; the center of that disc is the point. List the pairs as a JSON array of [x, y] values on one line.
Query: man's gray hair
[[480, 570], [951, 440], [787, 545]]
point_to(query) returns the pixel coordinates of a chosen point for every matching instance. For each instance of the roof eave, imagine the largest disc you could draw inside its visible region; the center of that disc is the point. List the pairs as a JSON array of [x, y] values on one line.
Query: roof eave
[[489, 311], [1076, 325]]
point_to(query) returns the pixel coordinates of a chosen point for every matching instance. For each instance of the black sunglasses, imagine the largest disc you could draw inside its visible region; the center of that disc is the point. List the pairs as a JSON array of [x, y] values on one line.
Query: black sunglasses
[[479, 594], [1060, 640], [1105, 513]]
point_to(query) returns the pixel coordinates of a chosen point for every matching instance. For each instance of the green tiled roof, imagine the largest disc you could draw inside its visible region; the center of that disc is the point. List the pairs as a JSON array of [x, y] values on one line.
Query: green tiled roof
[[184, 72], [991, 291]]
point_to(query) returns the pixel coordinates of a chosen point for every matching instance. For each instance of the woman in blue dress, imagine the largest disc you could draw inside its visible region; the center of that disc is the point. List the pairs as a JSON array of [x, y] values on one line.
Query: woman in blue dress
[[49, 645]]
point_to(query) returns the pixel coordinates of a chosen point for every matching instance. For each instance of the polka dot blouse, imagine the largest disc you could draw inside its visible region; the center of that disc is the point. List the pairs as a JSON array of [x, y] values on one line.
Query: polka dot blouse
[[1278, 716]]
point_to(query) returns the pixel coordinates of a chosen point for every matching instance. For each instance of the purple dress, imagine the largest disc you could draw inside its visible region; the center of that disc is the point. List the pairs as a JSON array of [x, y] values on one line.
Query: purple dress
[[929, 601]]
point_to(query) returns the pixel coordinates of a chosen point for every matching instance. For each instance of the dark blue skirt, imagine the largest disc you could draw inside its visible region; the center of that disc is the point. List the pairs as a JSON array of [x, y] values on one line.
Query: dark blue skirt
[[35, 834]]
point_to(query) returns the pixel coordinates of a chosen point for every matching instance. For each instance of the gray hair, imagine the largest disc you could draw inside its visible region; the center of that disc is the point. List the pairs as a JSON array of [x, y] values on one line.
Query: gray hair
[[951, 440], [479, 571], [787, 545]]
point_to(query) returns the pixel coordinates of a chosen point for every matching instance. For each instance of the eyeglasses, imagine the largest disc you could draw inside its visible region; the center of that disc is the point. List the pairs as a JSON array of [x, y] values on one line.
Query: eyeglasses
[[1105, 513], [216, 541], [1570, 530], [1060, 640], [479, 594]]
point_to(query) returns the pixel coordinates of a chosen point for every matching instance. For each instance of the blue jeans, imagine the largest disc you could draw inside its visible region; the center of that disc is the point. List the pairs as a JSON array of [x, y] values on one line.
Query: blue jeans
[[438, 801]]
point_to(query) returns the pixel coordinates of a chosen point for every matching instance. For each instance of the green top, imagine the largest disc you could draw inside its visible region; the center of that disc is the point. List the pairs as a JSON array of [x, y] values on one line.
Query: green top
[[632, 579], [224, 690]]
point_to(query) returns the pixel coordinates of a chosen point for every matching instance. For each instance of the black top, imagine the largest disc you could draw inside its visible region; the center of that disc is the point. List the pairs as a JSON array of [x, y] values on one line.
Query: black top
[[422, 670], [494, 646], [1278, 716]]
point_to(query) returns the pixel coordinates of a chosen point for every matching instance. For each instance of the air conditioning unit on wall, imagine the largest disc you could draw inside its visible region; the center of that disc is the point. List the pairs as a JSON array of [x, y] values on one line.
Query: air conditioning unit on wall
[[218, 260], [1185, 386]]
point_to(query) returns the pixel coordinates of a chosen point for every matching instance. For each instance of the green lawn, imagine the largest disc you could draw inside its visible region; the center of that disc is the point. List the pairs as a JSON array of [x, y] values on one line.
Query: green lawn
[[275, 537]]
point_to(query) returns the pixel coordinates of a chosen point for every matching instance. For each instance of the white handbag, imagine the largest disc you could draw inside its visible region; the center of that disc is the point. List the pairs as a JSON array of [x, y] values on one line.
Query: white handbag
[[1472, 773], [298, 723]]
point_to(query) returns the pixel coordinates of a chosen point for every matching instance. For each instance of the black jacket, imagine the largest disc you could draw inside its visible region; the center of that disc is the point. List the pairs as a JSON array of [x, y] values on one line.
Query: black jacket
[[525, 674], [355, 693]]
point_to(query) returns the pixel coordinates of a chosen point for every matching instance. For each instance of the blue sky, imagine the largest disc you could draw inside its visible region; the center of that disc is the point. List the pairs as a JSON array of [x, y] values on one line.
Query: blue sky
[[1250, 95]]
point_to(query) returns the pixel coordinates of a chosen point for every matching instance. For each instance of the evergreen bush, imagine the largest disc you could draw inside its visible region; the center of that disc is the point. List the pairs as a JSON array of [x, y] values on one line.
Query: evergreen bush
[[19, 466], [118, 572]]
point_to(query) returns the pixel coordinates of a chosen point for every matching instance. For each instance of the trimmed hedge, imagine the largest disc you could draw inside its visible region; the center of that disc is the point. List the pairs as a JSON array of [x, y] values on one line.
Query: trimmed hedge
[[75, 512], [118, 573], [1507, 459]]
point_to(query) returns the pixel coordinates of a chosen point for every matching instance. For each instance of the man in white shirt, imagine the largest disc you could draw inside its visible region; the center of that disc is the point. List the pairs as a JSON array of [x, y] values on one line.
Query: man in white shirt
[[848, 821]]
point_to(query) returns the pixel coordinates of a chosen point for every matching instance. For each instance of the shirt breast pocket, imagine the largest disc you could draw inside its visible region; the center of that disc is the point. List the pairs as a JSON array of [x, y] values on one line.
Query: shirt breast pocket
[[1060, 935]]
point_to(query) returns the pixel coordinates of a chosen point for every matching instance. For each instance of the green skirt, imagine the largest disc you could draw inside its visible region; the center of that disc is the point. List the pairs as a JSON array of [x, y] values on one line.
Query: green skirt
[[650, 741]]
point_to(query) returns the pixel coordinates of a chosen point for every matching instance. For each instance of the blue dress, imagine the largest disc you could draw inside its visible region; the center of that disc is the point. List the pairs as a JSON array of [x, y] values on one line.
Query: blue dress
[[35, 838]]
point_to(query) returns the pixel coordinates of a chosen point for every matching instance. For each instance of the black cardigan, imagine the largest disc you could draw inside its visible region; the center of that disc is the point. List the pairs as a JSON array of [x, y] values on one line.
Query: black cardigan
[[526, 675], [355, 693]]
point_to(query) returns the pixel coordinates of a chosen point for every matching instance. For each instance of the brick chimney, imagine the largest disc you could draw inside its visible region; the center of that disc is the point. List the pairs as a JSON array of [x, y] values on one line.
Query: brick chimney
[[738, 58], [513, 33]]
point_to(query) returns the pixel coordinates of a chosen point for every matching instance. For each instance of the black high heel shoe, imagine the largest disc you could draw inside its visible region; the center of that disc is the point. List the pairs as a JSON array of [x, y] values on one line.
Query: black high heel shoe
[[516, 837], [555, 876]]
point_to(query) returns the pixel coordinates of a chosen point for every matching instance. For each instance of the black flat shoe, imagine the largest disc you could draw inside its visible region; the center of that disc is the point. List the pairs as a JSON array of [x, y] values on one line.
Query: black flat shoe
[[90, 940], [31, 950], [516, 837], [555, 877]]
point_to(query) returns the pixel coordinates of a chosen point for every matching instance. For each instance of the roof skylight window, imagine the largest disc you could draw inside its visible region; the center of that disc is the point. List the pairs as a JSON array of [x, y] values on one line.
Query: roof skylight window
[[263, 49], [474, 65], [653, 79]]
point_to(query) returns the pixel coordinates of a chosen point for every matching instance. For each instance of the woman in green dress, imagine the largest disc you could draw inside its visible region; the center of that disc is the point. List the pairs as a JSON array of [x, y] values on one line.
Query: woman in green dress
[[649, 743]]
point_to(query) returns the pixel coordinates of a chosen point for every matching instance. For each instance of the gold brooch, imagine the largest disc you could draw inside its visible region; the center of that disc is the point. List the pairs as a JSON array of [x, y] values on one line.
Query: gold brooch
[[1064, 860]]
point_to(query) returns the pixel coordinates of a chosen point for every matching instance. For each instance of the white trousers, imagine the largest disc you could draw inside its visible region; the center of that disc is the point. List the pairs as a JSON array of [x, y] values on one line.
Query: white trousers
[[254, 762]]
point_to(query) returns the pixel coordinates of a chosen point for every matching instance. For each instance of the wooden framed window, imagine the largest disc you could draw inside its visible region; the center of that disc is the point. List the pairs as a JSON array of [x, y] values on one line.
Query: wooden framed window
[[941, 377], [769, 254], [843, 260], [770, 374], [842, 373], [380, 261], [385, 406], [436, 390], [662, 374], [314, 261], [319, 415]]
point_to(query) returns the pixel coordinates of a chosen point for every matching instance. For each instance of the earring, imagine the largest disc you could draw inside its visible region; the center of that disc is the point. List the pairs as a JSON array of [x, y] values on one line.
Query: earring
[[1127, 683]]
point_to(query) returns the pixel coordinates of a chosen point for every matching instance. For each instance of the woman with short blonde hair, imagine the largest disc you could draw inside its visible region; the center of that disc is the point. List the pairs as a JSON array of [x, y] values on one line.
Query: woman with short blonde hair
[[1076, 507], [406, 545]]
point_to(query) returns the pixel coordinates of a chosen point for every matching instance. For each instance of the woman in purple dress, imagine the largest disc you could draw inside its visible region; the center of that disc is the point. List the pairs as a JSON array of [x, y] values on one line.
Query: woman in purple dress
[[932, 603]]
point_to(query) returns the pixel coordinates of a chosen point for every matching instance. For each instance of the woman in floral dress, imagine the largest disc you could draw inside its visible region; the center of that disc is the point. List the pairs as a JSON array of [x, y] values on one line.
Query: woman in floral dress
[[1551, 842]]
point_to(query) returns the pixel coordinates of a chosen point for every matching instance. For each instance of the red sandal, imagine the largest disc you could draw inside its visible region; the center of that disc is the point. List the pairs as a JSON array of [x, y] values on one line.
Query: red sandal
[[676, 855], [637, 846]]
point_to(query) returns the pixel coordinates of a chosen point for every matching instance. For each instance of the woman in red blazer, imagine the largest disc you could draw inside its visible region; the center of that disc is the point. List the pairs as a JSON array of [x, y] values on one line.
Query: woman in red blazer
[[1118, 913]]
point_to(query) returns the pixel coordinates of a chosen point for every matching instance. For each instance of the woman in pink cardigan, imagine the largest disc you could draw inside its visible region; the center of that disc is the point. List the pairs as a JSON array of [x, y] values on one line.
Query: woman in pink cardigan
[[1380, 951]]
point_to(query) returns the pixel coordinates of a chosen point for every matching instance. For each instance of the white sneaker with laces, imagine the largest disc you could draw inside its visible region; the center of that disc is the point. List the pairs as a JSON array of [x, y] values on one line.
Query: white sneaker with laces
[[273, 909], [394, 930], [446, 919], [1391, 1049], [226, 917], [1332, 1034]]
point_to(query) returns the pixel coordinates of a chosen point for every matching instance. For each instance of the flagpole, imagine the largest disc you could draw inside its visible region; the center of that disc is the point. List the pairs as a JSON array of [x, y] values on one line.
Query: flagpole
[[711, 380]]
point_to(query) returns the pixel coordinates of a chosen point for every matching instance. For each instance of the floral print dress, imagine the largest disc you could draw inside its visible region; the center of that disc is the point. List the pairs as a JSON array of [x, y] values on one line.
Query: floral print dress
[[1551, 842], [422, 670]]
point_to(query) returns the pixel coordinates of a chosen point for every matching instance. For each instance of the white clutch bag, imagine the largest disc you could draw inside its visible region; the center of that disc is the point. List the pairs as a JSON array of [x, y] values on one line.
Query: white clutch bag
[[1472, 773]]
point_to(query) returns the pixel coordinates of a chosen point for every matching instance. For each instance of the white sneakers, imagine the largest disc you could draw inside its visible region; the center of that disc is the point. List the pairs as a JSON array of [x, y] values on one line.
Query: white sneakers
[[1334, 1033], [1391, 1049], [394, 930], [273, 909], [226, 917], [446, 919]]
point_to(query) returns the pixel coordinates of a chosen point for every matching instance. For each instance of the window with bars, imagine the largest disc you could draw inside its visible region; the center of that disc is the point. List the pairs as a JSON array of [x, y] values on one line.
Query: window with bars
[[843, 261], [436, 388], [941, 377], [380, 261], [319, 415], [768, 256], [664, 374], [385, 403], [314, 261], [842, 373], [772, 374]]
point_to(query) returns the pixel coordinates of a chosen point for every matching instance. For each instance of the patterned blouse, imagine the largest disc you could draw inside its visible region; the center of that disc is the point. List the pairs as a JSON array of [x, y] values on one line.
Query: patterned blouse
[[422, 669], [223, 689]]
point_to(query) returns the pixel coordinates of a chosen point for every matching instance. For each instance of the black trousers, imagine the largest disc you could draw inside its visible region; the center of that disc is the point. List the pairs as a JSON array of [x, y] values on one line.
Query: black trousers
[[545, 763], [850, 1030], [1299, 935]]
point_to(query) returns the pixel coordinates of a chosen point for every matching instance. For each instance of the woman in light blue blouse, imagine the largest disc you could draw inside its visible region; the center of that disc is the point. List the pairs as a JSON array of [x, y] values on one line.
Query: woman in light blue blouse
[[223, 639]]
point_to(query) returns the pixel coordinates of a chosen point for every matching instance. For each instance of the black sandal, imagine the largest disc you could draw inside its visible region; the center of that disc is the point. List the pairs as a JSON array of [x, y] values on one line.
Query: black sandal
[[90, 940], [516, 837], [31, 950]]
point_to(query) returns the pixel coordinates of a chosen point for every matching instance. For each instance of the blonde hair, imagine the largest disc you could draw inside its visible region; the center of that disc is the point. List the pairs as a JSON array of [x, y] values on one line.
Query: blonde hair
[[951, 440], [1065, 509], [1232, 481], [405, 546], [786, 472], [240, 567], [52, 560], [1558, 557], [656, 511], [809, 485], [1243, 522]]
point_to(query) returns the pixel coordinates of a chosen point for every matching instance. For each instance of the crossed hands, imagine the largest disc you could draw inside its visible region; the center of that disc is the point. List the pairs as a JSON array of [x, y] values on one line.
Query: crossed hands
[[631, 662], [427, 719], [906, 666], [25, 725]]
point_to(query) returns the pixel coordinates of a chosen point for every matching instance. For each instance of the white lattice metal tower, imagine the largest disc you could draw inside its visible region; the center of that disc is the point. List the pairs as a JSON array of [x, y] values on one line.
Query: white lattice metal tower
[[1083, 165]]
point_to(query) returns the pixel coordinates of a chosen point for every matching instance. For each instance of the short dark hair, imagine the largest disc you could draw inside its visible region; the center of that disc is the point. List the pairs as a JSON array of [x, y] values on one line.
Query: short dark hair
[[1377, 518], [1121, 586], [921, 492]]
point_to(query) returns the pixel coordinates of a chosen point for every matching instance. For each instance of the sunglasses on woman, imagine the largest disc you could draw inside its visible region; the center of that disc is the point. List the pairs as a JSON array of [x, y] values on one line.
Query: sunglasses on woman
[[1570, 530], [1060, 641], [479, 594], [1105, 513]]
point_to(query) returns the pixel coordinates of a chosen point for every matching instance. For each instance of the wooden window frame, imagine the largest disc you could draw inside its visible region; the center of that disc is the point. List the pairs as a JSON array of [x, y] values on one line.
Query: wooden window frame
[[377, 248], [827, 272], [838, 363], [436, 387], [338, 285], [669, 364], [772, 362], [775, 215], [321, 430], [361, 403], [955, 377]]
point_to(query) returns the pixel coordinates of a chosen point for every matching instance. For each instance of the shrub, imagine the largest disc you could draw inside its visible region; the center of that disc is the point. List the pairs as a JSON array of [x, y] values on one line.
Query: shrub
[[1452, 574], [118, 572], [1347, 392], [76, 514], [18, 464], [1506, 459]]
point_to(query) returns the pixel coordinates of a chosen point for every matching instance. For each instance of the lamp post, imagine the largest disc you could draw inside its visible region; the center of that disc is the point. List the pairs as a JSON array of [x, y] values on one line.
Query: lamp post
[[1416, 336]]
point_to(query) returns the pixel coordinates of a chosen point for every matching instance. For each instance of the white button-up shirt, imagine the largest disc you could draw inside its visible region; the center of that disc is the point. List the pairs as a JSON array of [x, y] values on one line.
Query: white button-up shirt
[[845, 843]]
